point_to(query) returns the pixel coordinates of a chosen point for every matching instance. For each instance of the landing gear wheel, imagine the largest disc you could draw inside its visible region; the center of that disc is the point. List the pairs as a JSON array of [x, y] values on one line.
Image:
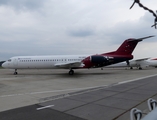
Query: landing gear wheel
[[15, 73], [71, 72], [140, 68]]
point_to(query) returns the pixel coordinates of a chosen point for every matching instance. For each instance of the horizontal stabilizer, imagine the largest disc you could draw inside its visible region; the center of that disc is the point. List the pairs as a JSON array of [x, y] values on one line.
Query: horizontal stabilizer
[[146, 37]]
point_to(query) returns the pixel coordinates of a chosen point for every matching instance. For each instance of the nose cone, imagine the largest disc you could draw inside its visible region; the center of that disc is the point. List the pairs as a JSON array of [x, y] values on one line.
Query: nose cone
[[4, 65]]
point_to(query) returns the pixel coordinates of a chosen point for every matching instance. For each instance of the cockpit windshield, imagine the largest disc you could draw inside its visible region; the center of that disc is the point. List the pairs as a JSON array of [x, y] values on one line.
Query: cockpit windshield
[[9, 60]]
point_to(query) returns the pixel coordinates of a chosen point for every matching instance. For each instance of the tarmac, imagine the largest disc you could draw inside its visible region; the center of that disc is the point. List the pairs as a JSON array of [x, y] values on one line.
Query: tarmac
[[93, 94]]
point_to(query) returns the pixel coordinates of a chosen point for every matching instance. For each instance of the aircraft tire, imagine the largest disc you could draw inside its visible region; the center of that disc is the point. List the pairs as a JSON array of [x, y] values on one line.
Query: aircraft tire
[[71, 72], [15, 73]]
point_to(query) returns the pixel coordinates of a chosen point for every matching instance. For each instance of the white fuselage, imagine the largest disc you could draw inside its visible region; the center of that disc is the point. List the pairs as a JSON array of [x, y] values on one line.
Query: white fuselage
[[152, 62], [42, 62]]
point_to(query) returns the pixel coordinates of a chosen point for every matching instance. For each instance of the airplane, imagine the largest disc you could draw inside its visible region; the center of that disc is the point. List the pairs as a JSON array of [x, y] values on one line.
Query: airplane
[[138, 63], [152, 62], [71, 62]]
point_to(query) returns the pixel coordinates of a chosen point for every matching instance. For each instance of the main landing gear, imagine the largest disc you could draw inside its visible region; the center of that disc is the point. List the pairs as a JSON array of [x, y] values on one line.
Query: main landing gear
[[15, 73], [71, 72]]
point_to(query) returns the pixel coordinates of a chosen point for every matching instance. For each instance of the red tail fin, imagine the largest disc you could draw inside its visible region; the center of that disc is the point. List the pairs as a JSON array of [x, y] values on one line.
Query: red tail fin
[[127, 47]]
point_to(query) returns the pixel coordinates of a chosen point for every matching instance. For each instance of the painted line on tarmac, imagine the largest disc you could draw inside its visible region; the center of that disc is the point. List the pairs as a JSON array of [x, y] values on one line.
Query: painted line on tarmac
[[127, 81], [75, 89], [41, 108], [53, 91]]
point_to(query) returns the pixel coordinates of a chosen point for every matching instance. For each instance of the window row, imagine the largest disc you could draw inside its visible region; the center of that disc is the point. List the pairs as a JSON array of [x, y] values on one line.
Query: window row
[[51, 60]]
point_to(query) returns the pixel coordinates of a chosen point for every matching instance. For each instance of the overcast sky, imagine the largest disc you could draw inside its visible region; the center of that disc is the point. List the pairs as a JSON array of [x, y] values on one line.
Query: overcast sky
[[60, 27]]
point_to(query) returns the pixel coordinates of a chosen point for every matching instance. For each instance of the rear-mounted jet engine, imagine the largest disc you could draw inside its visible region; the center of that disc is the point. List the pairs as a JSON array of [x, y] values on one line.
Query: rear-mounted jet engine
[[99, 60]]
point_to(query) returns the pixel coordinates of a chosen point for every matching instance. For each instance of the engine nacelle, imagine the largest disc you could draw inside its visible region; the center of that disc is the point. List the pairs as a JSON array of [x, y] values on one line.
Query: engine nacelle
[[98, 59]]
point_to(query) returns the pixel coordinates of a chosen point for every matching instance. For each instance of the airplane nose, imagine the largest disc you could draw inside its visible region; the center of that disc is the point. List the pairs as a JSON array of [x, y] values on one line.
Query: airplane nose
[[4, 65]]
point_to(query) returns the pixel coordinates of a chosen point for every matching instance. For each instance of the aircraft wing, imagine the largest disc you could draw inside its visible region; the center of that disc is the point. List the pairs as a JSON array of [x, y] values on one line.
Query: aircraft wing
[[142, 59], [69, 65]]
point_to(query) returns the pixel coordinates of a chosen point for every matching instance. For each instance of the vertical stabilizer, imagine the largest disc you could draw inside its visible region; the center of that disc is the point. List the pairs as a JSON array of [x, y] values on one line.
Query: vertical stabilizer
[[128, 46]]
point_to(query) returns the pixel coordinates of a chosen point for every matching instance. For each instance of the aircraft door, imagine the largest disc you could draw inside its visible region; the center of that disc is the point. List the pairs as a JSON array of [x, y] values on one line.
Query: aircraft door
[[15, 62]]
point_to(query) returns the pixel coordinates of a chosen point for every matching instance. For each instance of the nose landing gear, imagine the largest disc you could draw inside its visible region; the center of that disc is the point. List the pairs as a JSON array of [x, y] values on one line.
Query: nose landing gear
[[15, 73]]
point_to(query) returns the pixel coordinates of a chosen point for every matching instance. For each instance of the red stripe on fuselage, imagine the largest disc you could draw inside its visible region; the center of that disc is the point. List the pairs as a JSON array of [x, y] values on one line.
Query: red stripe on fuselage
[[154, 59]]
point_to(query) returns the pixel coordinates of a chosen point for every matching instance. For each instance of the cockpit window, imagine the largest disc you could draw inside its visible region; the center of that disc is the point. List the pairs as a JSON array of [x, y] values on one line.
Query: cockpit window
[[9, 60]]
